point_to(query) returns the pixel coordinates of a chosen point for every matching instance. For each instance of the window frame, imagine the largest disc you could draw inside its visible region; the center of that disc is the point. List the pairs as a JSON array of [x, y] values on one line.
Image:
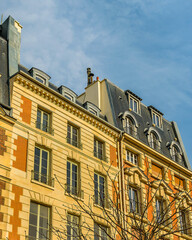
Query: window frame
[[159, 209], [133, 209], [134, 158], [70, 226], [154, 141], [98, 200], [96, 149], [183, 215], [70, 135], [100, 231], [38, 220], [134, 104], [40, 124], [37, 175], [69, 187]]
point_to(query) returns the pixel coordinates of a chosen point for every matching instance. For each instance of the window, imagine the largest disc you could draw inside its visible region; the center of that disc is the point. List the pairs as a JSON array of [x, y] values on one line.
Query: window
[[43, 121], [131, 157], [68, 96], [156, 120], [183, 221], [100, 232], [98, 149], [176, 156], [72, 227], [41, 79], [73, 135], [133, 104], [42, 166], [133, 200], [157, 171], [72, 178], [99, 188], [159, 210], [154, 142], [39, 222], [129, 127]]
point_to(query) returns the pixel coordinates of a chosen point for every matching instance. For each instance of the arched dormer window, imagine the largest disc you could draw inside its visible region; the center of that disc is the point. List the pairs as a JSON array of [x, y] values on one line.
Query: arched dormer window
[[176, 153], [130, 124], [154, 138]]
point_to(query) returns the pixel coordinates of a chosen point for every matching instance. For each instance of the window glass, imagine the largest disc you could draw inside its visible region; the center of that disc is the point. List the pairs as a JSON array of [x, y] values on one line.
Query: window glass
[[133, 200], [72, 178], [131, 157], [72, 227], [99, 189], [43, 121], [98, 149], [72, 135], [100, 232]]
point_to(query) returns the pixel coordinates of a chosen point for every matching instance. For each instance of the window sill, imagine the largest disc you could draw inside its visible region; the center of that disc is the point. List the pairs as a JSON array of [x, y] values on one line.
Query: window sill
[[98, 206], [130, 163], [42, 184], [49, 133], [74, 196]]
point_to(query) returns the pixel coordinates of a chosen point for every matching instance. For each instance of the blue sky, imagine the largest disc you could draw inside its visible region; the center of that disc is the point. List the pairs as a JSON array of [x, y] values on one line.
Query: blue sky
[[141, 45]]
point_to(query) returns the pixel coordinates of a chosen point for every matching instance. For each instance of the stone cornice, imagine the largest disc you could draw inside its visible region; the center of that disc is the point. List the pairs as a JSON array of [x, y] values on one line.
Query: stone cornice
[[33, 85]]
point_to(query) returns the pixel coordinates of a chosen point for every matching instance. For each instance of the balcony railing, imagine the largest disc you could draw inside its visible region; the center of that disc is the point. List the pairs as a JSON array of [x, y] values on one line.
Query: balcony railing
[[75, 191], [131, 131], [155, 145], [74, 142], [100, 156], [44, 127], [42, 178]]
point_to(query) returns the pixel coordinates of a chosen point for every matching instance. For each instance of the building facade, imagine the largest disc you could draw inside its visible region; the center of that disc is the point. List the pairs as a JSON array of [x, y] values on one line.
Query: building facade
[[89, 166]]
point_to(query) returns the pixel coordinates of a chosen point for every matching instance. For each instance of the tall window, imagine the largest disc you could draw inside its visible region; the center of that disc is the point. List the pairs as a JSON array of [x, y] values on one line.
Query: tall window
[[133, 200], [99, 189], [72, 178], [73, 135], [176, 156], [42, 166], [43, 120], [131, 157], [154, 142], [183, 221], [159, 210], [39, 222], [98, 149], [133, 104], [156, 120], [100, 232], [72, 227], [129, 127]]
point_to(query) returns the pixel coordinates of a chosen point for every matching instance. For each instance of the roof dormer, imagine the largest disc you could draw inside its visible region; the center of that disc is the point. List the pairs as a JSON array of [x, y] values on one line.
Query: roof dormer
[[134, 102], [40, 76], [68, 93], [156, 117], [92, 108]]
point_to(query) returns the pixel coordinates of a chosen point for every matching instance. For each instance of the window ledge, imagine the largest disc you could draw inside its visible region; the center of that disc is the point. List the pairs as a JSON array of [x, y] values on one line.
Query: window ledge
[[42, 184], [130, 163], [74, 196], [98, 206]]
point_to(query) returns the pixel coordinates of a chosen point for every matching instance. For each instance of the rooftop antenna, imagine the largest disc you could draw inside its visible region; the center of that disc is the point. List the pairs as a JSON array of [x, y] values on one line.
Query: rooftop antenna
[[1, 18]]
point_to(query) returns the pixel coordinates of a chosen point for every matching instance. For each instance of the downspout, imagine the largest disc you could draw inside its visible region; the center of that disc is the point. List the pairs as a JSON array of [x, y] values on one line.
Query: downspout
[[121, 175]]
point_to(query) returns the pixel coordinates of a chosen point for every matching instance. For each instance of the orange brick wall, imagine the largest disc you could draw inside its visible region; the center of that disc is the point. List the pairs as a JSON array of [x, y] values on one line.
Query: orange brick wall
[[20, 153], [26, 106], [15, 221], [113, 156]]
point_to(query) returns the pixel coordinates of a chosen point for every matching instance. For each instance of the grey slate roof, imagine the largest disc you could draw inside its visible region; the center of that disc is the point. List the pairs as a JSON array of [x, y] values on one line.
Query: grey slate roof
[[168, 133]]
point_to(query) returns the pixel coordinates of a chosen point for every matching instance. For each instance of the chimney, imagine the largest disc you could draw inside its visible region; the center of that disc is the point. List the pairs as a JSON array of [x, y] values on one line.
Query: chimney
[[89, 76]]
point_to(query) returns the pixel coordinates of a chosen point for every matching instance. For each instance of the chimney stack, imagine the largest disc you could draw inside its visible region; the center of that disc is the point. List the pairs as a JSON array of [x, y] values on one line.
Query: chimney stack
[[89, 76]]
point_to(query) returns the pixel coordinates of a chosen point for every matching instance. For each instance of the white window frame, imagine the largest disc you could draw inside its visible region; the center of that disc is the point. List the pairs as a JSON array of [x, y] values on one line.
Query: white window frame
[[159, 204], [134, 203], [183, 221], [70, 135], [69, 184], [154, 141], [73, 222], [38, 176], [98, 199], [131, 157], [38, 215], [133, 104], [40, 124], [97, 144]]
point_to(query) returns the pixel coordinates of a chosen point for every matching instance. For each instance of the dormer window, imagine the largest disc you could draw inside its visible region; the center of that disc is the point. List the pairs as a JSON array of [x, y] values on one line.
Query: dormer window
[[176, 152], [134, 101], [40, 76], [68, 93], [133, 104], [156, 116], [154, 141], [92, 108], [130, 124]]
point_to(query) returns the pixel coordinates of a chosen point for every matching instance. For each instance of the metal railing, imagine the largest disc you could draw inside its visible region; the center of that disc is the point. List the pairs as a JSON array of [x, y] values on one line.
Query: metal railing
[[155, 145], [74, 143], [131, 131], [46, 179], [101, 156], [75, 191], [44, 127]]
